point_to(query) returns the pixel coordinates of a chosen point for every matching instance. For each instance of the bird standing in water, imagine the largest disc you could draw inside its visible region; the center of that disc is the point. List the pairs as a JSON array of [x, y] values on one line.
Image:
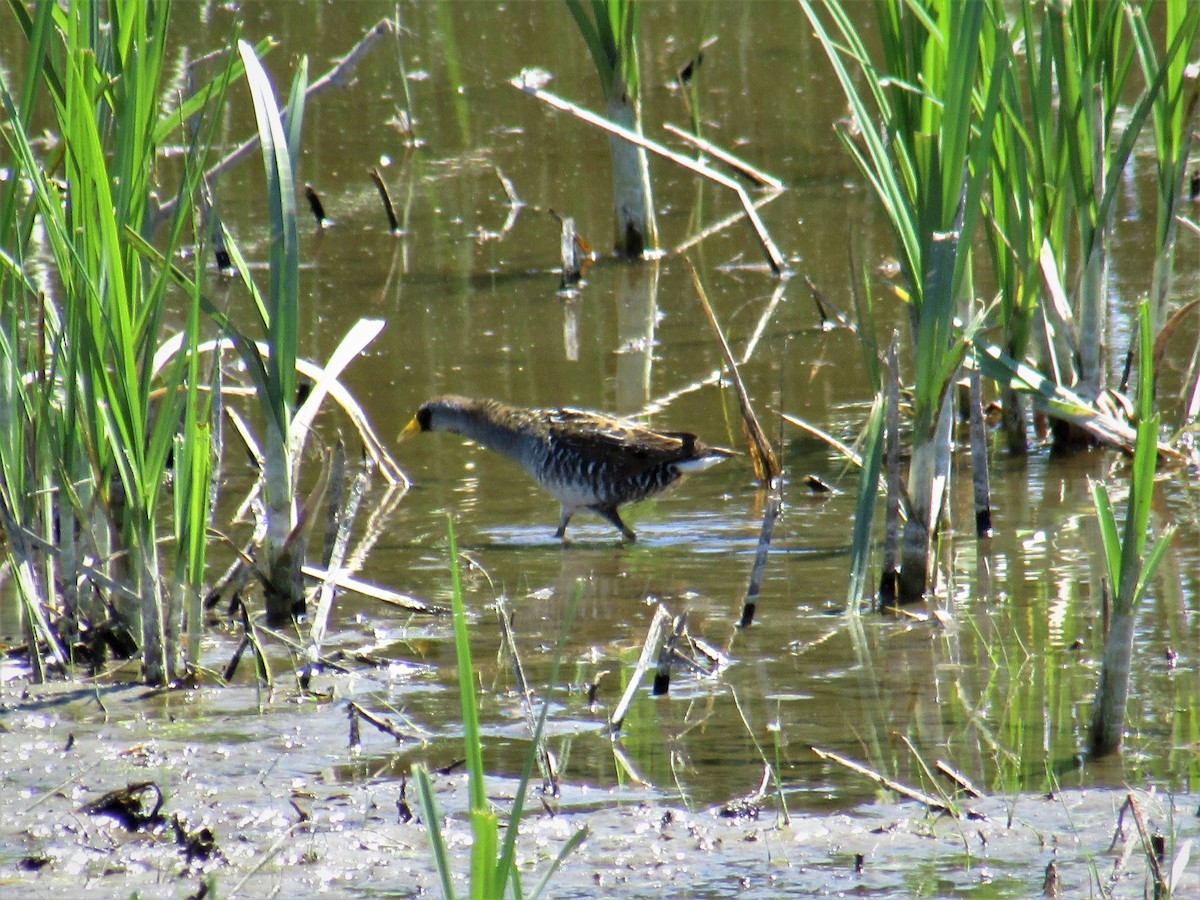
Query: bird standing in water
[[586, 460]]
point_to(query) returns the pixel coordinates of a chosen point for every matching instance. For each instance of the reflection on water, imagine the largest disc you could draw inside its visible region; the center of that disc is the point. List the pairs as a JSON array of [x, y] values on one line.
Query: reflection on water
[[998, 684]]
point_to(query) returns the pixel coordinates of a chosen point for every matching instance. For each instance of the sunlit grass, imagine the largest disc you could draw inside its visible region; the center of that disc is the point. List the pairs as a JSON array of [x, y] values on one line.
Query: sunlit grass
[[278, 317], [1129, 562], [611, 34], [1057, 156], [106, 442], [493, 871], [915, 115], [95, 435]]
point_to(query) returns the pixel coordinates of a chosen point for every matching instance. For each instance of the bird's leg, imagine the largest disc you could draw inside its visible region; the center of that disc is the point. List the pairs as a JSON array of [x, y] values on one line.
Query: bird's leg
[[611, 514], [563, 519]]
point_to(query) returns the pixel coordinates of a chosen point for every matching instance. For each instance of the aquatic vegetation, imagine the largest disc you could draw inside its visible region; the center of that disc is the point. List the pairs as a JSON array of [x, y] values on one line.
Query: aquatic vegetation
[[988, 134], [915, 150], [611, 35], [95, 431], [110, 415], [491, 876], [1130, 565]]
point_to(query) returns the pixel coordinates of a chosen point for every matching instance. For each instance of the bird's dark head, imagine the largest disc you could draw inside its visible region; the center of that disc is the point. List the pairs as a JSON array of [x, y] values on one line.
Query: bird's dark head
[[424, 417], [439, 414], [422, 421]]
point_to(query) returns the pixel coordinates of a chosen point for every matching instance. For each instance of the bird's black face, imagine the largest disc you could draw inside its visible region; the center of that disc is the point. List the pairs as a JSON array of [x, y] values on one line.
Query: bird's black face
[[424, 418]]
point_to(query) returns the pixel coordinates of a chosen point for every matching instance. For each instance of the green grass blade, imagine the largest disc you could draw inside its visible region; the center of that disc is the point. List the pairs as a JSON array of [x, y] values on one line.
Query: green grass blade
[[506, 864], [433, 829], [1140, 112], [1145, 460], [112, 415], [864, 507], [567, 849], [889, 177], [243, 271], [210, 92], [1110, 540], [595, 44], [245, 347], [294, 115], [472, 742], [485, 837], [1153, 558], [282, 305]]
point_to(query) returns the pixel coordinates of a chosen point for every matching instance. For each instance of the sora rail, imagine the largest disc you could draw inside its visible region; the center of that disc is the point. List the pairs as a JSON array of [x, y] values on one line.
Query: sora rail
[[587, 460]]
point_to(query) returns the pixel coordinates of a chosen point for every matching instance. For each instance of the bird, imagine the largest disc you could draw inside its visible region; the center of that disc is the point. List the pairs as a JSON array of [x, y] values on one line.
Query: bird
[[586, 460]]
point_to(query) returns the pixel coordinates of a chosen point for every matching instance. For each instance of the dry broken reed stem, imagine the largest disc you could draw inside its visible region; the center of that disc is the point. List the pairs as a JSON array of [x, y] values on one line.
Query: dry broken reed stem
[[929, 802], [758, 176], [830, 316], [851, 455], [380, 723], [100, 579], [667, 655], [385, 196], [570, 250], [770, 514], [661, 402], [1161, 886], [338, 76], [515, 205], [325, 383], [316, 207], [774, 257], [762, 457], [649, 650], [343, 507], [271, 853], [960, 780], [893, 504], [509, 643], [383, 595]]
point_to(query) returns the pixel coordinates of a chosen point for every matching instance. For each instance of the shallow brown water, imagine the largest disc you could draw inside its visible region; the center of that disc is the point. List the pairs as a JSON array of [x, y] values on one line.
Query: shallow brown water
[[1001, 689]]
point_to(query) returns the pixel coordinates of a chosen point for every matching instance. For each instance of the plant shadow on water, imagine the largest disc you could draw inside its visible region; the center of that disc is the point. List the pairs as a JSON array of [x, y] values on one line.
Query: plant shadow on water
[[993, 677]]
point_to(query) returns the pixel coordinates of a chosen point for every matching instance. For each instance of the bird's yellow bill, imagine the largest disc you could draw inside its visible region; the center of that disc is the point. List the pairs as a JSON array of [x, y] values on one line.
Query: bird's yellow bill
[[409, 430]]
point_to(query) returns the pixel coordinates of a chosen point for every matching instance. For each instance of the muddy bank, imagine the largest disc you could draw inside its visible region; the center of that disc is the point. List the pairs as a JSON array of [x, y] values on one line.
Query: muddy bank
[[244, 809]]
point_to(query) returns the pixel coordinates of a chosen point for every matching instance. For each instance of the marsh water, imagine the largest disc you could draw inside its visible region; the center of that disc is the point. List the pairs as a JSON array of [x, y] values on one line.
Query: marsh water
[[995, 677]]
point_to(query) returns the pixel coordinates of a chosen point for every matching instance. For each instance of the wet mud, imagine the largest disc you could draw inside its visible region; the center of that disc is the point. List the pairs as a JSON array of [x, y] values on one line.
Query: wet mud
[[108, 793]]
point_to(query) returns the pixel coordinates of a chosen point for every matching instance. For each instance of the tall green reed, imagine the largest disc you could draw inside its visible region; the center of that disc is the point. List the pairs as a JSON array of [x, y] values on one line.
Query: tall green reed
[[1173, 113], [93, 433], [272, 362], [1023, 212], [1129, 565], [23, 389], [493, 869], [611, 35], [1057, 157], [873, 442], [278, 317], [1090, 65], [916, 116], [1076, 89]]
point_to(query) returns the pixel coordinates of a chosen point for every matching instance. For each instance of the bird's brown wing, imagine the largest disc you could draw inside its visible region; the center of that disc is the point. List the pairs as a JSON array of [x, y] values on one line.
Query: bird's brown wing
[[617, 441]]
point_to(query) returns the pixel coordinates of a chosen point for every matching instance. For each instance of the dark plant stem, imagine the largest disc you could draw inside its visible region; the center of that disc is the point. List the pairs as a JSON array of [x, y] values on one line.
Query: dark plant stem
[[979, 460]]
